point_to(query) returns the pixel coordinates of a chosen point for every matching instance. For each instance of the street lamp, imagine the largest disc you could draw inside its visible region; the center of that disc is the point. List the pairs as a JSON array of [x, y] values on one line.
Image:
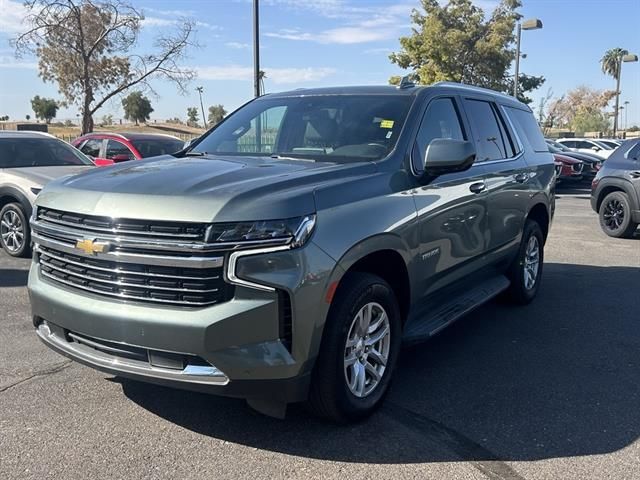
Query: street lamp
[[626, 109], [256, 48], [531, 24], [204, 119], [623, 59]]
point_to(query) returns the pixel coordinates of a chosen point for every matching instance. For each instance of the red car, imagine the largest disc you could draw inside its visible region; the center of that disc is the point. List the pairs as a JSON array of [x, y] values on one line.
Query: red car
[[110, 148], [568, 168]]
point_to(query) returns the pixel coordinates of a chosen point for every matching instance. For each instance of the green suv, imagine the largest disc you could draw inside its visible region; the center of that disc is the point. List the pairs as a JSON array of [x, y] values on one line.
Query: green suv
[[287, 254]]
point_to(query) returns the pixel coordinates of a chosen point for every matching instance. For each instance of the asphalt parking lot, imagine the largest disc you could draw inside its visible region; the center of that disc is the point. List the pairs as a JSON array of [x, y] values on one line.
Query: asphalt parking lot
[[549, 391]]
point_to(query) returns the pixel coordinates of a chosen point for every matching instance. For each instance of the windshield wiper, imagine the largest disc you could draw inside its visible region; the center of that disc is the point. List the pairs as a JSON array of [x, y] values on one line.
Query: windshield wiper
[[194, 154], [284, 157]]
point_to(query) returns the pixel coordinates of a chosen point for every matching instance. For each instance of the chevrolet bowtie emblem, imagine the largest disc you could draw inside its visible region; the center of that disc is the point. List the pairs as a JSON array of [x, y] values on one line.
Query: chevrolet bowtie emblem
[[91, 247]]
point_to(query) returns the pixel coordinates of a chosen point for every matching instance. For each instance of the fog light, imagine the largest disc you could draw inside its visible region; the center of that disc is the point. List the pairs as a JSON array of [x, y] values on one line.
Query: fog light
[[203, 370], [44, 328]]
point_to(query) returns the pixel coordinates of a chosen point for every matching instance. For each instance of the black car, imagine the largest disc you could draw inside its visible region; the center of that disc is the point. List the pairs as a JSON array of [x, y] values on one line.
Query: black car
[[592, 163], [615, 192]]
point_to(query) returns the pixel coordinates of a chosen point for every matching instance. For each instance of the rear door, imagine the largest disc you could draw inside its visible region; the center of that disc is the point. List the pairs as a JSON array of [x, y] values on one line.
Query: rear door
[[451, 208], [507, 174]]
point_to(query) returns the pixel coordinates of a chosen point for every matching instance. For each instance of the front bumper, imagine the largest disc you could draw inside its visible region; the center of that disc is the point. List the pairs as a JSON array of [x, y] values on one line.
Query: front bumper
[[238, 341]]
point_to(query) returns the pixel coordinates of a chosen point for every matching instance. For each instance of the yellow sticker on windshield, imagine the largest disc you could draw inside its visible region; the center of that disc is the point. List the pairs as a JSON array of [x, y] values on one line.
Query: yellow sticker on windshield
[[386, 124]]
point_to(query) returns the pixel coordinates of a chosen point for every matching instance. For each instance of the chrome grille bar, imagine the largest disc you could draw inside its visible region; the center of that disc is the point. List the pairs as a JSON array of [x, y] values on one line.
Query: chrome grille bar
[[85, 276], [124, 296]]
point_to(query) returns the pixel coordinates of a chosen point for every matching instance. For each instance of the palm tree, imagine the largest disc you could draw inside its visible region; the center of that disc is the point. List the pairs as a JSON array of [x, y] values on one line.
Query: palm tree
[[261, 76], [610, 62]]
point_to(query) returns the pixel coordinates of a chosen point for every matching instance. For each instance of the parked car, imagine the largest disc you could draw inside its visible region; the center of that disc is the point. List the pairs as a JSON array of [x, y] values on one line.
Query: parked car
[[591, 163], [587, 145], [28, 160], [571, 168], [289, 264], [110, 148], [615, 192], [613, 144]]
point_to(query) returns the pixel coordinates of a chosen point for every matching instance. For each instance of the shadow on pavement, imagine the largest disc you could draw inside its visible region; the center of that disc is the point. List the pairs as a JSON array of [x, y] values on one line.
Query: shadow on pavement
[[558, 378], [13, 278]]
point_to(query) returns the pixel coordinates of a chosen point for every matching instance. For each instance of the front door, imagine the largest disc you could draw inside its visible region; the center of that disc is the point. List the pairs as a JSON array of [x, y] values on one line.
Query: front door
[[452, 208]]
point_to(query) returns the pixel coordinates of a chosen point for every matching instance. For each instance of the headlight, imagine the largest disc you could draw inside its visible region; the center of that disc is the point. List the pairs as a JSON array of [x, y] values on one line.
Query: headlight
[[295, 230]]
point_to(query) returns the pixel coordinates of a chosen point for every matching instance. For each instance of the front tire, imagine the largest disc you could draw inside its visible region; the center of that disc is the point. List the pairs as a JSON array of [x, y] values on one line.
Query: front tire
[[359, 350], [615, 216], [525, 272], [15, 236]]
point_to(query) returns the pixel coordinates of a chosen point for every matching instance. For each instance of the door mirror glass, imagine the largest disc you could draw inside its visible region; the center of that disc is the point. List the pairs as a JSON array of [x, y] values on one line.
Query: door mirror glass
[[446, 155]]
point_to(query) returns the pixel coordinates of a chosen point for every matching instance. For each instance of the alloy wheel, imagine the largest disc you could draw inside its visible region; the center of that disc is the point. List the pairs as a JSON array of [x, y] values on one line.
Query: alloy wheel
[[367, 349], [12, 231], [531, 262], [613, 214]]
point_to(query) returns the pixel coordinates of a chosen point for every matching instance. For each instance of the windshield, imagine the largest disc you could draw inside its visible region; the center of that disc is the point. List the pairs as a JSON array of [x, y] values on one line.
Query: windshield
[[38, 152], [603, 145], [333, 128], [152, 147], [558, 146], [612, 145]]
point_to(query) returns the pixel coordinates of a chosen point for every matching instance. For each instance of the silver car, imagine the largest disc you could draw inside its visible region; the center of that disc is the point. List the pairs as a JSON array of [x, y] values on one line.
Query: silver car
[[28, 161]]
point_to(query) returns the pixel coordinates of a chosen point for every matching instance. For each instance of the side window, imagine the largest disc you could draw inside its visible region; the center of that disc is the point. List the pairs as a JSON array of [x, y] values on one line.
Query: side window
[[259, 136], [487, 127], [584, 144], [441, 120], [116, 148], [528, 129], [569, 144], [92, 147]]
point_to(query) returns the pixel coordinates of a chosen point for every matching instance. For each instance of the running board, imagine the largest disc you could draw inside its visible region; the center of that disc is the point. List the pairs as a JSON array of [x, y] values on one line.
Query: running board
[[421, 327]]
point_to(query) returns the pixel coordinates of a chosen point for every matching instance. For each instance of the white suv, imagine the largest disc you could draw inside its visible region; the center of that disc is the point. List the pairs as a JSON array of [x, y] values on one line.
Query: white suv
[[587, 145]]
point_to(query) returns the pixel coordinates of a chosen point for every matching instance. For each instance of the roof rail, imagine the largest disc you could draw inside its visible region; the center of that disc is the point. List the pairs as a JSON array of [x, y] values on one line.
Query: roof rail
[[473, 88]]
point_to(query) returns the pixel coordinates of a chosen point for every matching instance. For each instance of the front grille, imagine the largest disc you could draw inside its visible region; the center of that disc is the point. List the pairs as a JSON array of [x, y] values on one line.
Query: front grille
[[145, 229], [149, 283]]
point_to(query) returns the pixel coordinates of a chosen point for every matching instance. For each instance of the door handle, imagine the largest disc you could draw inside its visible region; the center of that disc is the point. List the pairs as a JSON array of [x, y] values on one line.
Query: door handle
[[521, 177], [634, 174], [478, 187]]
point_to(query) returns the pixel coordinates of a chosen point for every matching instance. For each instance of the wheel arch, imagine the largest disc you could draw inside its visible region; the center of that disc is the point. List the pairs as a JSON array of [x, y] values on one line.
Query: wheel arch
[[9, 194], [384, 255], [611, 185], [540, 214]]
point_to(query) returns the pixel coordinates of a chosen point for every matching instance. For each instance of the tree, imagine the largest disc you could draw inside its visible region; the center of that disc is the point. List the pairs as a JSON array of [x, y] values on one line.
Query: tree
[[4, 118], [192, 116], [85, 47], [610, 62], [107, 120], [175, 120], [581, 109], [586, 121], [27, 116], [44, 108], [136, 107], [216, 114], [456, 42]]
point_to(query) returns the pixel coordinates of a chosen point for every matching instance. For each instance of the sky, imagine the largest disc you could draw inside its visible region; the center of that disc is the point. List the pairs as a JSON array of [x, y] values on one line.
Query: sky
[[307, 43]]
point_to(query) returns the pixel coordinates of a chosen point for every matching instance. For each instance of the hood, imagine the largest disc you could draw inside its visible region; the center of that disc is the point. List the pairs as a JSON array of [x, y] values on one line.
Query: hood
[[43, 175], [585, 157], [199, 189], [566, 159]]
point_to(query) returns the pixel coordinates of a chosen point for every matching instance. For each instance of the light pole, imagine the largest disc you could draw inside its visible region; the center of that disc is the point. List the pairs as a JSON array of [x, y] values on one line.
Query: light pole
[[531, 24], [623, 59], [256, 48], [204, 119], [626, 109]]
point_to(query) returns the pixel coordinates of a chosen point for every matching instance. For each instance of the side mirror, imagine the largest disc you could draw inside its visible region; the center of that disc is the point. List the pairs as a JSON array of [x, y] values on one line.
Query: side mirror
[[122, 157], [445, 155], [595, 149]]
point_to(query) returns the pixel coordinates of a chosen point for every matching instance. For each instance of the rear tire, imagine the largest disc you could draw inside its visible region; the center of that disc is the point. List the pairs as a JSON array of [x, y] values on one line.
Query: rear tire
[[357, 358], [15, 236], [525, 272], [615, 216]]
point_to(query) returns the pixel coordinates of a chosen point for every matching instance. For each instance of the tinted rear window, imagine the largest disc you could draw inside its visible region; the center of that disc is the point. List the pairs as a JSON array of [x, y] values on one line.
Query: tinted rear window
[[528, 129], [38, 152], [152, 147]]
